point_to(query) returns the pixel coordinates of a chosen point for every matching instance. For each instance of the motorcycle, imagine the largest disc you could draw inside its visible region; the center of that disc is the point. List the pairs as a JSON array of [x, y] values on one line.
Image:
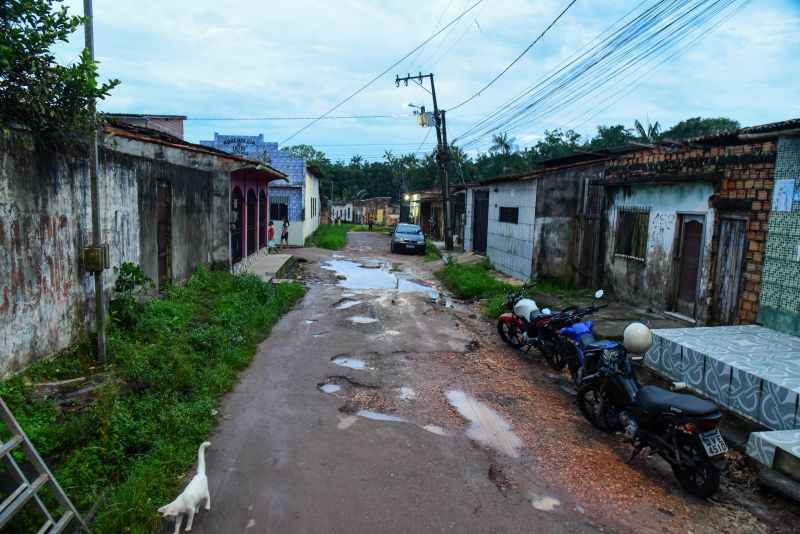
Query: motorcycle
[[578, 349], [525, 325], [681, 429]]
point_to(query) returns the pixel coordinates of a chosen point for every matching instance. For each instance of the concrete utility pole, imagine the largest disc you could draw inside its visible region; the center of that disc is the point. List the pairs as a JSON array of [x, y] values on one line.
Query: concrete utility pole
[[442, 154], [95, 256]]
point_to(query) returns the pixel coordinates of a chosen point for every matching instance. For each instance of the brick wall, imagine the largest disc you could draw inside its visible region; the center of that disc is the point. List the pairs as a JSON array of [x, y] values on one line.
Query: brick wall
[[750, 179]]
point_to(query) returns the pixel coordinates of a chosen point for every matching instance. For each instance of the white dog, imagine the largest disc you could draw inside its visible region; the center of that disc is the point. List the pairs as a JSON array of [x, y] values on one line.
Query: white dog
[[188, 502]]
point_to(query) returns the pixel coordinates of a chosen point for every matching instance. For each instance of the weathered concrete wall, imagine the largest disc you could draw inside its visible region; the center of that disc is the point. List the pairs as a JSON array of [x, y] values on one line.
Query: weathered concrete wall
[[46, 298], [556, 206], [509, 246], [652, 281], [780, 282]]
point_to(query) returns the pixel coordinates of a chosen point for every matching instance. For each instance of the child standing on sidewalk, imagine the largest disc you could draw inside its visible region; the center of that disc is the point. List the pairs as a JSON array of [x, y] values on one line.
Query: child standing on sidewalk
[[271, 238]]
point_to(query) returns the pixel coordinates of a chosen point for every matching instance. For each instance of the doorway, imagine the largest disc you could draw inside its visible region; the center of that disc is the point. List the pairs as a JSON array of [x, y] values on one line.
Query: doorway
[[480, 220], [728, 268], [251, 222], [164, 233], [237, 210], [689, 259]]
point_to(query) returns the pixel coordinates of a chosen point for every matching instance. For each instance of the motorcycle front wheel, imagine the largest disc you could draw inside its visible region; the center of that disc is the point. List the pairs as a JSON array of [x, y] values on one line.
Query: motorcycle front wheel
[[597, 406], [510, 333], [696, 473]]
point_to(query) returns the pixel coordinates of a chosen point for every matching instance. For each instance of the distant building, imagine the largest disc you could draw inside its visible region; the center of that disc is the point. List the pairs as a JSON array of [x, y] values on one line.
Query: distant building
[[299, 200], [171, 124]]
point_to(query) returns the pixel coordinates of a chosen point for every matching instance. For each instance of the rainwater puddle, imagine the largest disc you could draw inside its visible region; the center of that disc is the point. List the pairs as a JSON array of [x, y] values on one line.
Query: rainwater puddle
[[352, 363], [360, 319], [377, 416], [487, 426], [330, 388], [546, 504], [310, 321], [348, 304], [377, 276]]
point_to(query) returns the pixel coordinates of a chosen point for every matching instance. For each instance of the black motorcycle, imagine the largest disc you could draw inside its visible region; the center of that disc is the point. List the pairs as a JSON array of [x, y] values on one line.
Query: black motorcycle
[[682, 429]]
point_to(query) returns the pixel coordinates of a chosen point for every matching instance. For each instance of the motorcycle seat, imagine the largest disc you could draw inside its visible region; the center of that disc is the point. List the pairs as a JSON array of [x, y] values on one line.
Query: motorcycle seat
[[655, 399], [536, 314]]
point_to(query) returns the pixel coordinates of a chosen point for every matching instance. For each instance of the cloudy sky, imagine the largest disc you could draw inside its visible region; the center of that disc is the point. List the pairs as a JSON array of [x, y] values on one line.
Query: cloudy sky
[[259, 59]]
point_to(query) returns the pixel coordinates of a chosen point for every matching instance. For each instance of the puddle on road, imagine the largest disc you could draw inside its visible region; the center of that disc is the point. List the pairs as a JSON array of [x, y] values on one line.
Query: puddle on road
[[352, 363], [376, 276], [348, 304], [360, 319], [310, 321], [330, 388], [546, 504], [377, 416], [486, 425]]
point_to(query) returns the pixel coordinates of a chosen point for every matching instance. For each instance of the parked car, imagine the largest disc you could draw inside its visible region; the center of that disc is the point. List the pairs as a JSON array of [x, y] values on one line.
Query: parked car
[[408, 237]]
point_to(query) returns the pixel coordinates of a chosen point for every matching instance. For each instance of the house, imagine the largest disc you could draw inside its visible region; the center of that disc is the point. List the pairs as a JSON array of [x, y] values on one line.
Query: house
[[170, 124], [342, 212], [298, 199], [425, 208], [165, 205], [527, 222], [685, 225]]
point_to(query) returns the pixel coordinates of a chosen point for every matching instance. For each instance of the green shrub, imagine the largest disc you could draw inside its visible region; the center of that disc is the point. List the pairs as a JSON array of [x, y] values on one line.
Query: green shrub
[[167, 371], [331, 236], [432, 252]]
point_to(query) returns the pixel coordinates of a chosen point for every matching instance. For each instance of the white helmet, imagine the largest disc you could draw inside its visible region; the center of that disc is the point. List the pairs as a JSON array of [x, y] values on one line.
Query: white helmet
[[637, 338]]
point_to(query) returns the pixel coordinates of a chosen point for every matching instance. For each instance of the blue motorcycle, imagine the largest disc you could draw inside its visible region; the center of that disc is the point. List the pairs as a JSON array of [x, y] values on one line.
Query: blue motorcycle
[[578, 349]]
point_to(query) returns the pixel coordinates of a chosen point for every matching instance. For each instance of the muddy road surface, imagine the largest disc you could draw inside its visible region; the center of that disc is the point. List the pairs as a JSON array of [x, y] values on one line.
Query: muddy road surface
[[380, 404]]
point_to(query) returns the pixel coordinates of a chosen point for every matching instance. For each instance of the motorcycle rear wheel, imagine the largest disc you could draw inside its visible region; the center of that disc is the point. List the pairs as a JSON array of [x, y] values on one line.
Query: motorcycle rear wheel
[[589, 396], [700, 479], [510, 333], [554, 358]]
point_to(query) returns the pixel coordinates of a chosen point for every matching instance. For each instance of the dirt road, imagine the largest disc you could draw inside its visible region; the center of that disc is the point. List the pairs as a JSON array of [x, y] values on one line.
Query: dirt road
[[380, 405]]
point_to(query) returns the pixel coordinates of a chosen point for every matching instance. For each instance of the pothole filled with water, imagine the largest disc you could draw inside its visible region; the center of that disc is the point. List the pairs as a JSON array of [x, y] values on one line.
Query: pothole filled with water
[[347, 304], [377, 416], [486, 425], [330, 388], [352, 363], [353, 275], [360, 319]]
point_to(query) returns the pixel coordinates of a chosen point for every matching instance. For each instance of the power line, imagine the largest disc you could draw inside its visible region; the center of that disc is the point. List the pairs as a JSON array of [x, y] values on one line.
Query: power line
[[332, 117], [376, 78], [515, 60]]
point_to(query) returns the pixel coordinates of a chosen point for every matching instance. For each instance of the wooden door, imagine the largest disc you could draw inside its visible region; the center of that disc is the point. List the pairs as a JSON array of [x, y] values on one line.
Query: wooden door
[[586, 254], [164, 233], [728, 268], [690, 254], [480, 220]]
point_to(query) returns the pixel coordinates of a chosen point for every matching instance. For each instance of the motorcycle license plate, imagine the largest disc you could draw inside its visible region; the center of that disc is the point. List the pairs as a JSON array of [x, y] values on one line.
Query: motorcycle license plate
[[713, 442]]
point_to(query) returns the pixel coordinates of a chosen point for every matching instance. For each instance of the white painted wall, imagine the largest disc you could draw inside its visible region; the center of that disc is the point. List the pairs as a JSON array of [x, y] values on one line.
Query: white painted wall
[[468, 220], [310, 190], [509, 246]]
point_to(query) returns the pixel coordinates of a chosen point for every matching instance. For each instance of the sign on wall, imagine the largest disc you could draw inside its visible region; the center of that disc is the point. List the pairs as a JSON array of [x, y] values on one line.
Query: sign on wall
[[783, 195]]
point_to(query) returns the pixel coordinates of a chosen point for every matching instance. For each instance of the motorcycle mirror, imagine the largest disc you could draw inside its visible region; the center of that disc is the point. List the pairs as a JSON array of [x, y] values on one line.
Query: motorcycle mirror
[[546, 311], [599, 294], [644, 320]]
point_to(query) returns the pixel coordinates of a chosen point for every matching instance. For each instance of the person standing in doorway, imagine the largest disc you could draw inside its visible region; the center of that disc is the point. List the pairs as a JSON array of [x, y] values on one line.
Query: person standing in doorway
[[271, 238], [369, 222], [285, 233]]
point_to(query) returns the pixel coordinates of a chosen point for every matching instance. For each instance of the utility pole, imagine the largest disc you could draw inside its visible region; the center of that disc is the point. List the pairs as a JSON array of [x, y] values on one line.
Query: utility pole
[[442, 154], [95, 256]]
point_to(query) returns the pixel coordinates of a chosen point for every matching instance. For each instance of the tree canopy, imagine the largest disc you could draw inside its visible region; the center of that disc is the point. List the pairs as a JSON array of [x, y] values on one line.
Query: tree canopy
[[395, 174], [35, 90]]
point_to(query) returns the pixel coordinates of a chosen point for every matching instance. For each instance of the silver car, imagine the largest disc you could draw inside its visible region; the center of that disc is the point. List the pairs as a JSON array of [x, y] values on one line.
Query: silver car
[[408, 237]]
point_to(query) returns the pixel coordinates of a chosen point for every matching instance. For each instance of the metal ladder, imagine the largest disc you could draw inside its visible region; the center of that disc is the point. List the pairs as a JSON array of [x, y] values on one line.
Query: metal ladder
[[27, 490]]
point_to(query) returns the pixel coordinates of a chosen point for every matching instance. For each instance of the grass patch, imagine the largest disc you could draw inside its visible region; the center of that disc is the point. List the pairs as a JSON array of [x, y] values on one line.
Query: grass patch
[[566, 295], [331, 236], [432, 252], [475, 282], [131, 447]]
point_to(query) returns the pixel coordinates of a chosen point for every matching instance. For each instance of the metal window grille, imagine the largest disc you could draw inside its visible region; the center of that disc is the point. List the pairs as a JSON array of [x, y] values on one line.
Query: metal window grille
[[631, 232], [278, 207]]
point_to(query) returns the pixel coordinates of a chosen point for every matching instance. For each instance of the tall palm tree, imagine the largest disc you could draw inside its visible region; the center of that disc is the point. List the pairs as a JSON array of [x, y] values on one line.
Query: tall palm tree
[[650, 134]]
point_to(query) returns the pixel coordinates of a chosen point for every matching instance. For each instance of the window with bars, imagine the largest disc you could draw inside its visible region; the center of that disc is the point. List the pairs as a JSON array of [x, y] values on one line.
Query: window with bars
[[509, 215], [278, 207], [631, 232]]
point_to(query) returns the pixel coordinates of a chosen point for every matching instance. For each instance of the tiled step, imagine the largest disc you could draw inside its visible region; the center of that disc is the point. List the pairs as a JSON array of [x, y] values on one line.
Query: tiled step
[[777, 449]]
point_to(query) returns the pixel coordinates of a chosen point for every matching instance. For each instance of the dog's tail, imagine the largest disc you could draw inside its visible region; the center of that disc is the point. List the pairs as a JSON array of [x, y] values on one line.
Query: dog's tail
[[201, 457]]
